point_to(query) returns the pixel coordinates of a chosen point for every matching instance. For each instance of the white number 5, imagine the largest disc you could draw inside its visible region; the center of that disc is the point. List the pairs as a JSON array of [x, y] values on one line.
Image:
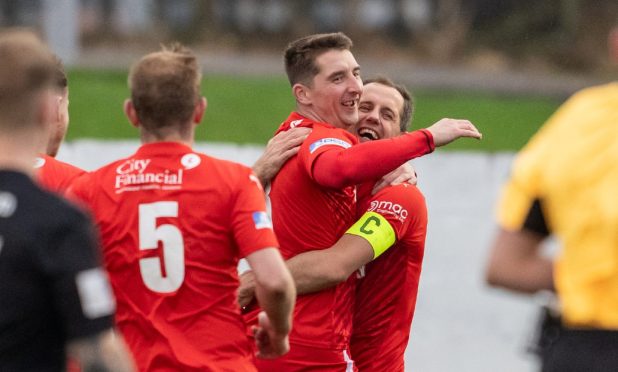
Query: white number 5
[[173, 247]]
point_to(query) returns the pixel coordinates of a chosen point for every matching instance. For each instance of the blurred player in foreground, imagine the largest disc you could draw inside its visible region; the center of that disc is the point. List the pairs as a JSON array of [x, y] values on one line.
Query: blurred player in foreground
[[55, 297], [174, 224], [564, 182]]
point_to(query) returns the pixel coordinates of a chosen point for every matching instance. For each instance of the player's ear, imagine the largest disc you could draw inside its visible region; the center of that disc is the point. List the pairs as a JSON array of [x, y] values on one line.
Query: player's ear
[[129, 111], [302, 94], [200, 109], [47, 110]]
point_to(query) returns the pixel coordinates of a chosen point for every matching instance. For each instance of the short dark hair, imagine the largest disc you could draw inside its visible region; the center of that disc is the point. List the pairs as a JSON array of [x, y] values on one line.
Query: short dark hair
[[407, 111], [60, 75], [165, 87], [300, 55]]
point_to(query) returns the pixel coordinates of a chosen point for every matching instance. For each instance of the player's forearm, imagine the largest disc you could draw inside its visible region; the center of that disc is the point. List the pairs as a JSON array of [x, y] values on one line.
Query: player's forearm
[[370, 160], [103, 352], [320, 269], [265, 170], [516, 263], [312, 272], [278, 303]]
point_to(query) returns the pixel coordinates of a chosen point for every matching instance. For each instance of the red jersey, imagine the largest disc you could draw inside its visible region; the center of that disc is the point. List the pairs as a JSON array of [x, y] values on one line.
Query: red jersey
[[174, 224], [313, 203], [55, 175], [386, 292], [308, 216]]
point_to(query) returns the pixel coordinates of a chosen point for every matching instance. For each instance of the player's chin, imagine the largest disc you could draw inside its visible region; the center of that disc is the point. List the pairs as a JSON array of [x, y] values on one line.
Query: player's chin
[[349, 119]]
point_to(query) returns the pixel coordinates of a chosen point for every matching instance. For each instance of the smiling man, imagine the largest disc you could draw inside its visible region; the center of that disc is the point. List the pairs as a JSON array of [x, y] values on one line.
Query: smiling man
[[313, 197], [394, 219]]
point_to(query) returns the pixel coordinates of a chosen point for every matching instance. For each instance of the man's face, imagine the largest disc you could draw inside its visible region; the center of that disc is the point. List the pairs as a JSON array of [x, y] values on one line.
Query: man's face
[[379, 111], [336, 89]]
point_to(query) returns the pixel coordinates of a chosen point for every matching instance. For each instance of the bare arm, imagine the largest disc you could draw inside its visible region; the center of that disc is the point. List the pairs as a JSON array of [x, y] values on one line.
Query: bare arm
[[275, 292], [278, 150], [105, 351], [516, 262], [320, 269]]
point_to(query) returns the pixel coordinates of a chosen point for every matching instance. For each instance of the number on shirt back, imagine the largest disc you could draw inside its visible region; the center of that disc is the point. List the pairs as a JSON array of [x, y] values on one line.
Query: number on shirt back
[[173, 247]]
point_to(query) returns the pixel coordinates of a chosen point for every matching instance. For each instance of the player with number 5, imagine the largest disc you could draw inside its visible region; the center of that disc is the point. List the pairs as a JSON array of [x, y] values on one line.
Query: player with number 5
[[174, 224]]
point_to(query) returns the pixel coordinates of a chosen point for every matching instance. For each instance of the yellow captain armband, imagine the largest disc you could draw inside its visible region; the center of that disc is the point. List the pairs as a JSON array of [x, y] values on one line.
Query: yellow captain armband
[[374, 228]]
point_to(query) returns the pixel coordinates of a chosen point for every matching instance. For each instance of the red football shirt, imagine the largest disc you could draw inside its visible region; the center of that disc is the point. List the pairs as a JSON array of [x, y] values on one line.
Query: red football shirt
[[313, 203], [56, 175], [386, 292], [174, 224], [308, 216]]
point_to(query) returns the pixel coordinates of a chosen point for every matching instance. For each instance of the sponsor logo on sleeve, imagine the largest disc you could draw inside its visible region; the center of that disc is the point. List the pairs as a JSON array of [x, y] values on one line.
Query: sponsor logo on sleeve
[[262, 221], [328, 141], [384, 207]]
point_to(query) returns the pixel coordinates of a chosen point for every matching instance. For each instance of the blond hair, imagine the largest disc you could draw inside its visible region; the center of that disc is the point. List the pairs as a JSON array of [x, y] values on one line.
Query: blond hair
[[165, 87]]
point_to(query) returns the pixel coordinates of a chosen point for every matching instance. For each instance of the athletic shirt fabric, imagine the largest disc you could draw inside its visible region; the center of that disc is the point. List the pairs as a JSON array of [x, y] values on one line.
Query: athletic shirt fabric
[[387, 287], [56, 175], [565, 182], [174, 224]]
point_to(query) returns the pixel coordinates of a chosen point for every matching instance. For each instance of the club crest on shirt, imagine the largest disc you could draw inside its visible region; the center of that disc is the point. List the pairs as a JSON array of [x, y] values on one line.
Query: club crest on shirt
[[295, 123], [386, 207], [262, 221], [190, 161]]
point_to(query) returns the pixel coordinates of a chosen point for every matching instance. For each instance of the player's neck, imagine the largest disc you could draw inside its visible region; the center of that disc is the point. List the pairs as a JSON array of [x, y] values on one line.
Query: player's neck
[[18, 152], [311, 114], [175, 136]]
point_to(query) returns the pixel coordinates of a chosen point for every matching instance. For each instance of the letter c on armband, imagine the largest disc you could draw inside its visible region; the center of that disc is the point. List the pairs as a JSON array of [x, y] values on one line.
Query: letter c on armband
[[374, 228]]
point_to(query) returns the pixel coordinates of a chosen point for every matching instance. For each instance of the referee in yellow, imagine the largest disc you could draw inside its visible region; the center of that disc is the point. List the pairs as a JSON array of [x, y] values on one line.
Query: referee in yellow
[[564, 182]]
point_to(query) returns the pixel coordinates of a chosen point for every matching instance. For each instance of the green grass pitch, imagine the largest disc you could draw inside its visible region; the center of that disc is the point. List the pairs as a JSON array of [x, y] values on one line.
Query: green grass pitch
[[249, 109]]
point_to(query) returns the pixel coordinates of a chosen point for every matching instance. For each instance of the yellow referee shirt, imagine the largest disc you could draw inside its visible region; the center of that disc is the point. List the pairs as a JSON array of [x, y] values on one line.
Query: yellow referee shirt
[[565, 182]]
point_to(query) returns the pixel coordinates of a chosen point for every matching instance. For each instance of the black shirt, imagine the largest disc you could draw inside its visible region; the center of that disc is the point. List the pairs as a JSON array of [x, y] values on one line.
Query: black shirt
[[52, 288]]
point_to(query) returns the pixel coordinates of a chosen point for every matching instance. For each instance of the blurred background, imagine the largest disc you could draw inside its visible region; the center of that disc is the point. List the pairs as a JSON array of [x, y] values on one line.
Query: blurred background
[[504, 64], [549, 36]]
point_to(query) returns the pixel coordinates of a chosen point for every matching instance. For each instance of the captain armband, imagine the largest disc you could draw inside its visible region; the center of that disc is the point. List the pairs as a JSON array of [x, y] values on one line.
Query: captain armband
[[374, 228]]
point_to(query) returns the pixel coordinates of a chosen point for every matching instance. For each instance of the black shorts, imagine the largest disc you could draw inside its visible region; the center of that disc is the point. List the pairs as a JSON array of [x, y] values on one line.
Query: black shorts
[[565, 349]]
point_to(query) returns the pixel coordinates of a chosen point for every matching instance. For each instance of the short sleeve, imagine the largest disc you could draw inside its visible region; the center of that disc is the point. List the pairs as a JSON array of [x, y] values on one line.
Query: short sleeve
[[403, 206], [82, 295], [522, 189], [251, 224]]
